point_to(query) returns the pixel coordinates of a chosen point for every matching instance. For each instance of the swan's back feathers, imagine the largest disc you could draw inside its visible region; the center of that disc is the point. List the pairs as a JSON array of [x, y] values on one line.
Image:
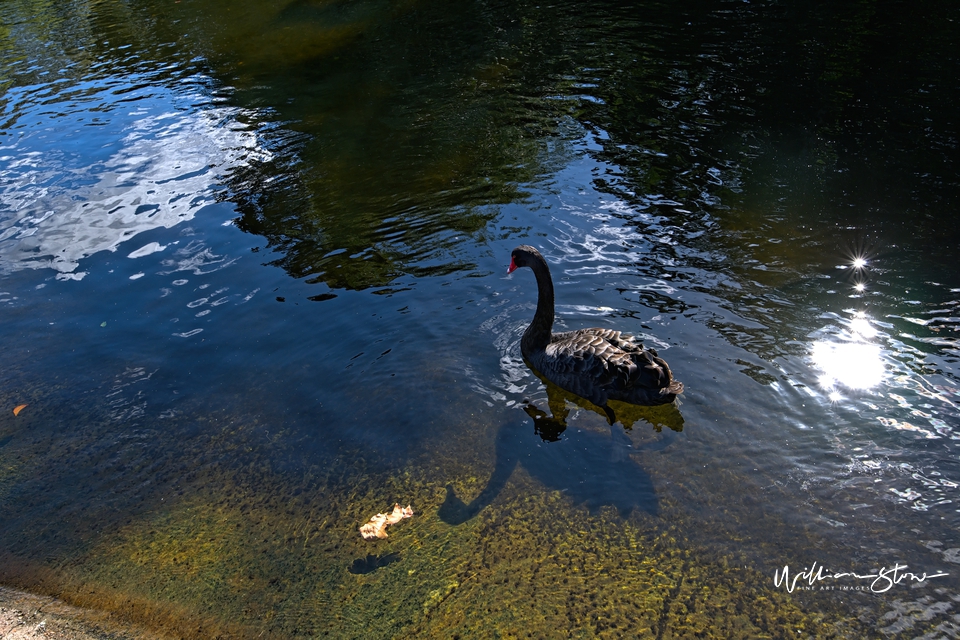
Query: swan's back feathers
[[599, 364]]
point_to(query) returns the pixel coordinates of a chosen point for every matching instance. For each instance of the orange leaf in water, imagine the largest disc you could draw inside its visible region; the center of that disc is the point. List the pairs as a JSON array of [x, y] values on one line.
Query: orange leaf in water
[[17, 409]]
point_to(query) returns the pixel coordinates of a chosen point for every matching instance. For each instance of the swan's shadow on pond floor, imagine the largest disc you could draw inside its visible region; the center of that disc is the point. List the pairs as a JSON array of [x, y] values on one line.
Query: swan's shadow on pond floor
[[371, 563], [592, 469]]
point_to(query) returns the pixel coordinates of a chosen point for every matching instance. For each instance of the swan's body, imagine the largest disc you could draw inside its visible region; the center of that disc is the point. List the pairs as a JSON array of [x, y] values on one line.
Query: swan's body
[[596, 364]]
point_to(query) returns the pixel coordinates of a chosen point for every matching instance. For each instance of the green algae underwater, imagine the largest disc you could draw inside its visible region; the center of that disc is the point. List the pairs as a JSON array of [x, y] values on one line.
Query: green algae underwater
[[235, 544]]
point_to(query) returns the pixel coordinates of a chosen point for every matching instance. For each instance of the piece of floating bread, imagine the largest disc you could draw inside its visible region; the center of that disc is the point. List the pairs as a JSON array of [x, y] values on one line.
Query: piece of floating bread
[[377, 526]]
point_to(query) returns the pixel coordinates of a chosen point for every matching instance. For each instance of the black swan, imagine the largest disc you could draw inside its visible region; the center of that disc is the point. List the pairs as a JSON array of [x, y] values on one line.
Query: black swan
[[596, 364]]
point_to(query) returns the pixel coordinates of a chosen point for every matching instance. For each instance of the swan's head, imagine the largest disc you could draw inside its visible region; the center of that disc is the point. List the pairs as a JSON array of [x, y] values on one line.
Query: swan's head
[[524, 256]]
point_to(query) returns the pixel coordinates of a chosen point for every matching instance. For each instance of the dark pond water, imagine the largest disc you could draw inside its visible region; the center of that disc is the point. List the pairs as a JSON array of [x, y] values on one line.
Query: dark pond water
[[253, 290]]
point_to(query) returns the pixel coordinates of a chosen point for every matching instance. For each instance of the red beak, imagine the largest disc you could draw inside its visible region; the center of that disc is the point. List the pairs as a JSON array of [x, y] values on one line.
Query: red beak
[[513, 266]]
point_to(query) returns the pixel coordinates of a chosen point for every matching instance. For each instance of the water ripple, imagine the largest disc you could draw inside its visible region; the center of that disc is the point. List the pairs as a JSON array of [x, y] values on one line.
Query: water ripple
[[163, 152]]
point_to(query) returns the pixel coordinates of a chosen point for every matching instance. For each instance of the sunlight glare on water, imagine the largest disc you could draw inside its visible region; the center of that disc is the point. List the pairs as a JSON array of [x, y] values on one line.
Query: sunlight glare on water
[[855, 364]]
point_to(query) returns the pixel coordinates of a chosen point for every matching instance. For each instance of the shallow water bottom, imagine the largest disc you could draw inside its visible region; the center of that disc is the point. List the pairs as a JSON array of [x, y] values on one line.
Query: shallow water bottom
[[526, 568], [265, 543], [25, 616]]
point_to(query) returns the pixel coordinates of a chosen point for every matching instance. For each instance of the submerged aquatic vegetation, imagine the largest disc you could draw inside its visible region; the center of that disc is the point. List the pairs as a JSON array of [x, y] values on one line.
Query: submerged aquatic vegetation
[[241, 530], [245, 548]]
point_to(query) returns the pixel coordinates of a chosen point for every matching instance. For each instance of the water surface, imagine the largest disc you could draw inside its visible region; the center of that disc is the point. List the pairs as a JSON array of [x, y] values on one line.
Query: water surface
[[252, 277]]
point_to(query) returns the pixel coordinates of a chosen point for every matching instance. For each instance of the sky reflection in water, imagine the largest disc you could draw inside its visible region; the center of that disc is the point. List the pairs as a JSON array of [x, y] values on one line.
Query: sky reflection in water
[[160, 155]]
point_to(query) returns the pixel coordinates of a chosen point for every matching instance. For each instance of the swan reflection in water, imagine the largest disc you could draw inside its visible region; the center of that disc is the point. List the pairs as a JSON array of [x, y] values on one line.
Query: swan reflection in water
[[590, 467]]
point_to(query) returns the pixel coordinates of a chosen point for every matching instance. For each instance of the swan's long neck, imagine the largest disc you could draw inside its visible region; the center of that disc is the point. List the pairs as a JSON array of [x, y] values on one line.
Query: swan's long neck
[[537, 336]]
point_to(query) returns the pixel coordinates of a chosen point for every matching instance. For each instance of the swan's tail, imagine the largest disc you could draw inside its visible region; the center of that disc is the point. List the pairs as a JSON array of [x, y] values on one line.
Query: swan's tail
[[674, 388]]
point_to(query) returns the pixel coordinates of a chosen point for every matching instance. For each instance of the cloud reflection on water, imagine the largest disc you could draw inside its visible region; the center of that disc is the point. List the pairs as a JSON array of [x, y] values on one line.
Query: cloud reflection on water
[[162, 158]]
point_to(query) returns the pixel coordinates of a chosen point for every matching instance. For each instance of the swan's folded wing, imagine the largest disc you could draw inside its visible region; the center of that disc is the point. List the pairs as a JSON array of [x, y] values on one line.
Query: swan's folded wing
[[590, 354]]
